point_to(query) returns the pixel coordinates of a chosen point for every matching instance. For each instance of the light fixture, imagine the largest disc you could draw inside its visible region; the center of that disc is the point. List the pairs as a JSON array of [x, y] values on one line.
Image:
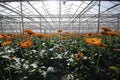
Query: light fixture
[[64, 2]]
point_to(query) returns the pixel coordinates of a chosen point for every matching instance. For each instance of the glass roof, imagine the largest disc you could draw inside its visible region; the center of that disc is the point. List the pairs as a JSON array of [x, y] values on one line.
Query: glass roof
[[57, 10], [52, 7]]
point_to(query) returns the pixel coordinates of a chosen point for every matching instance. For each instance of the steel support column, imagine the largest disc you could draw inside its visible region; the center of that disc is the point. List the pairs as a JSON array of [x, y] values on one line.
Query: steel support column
[[22, 25], [98, 17], [40, 26], [1, 28], [59, 14], [79, 24], [118, 25], [72, 26]]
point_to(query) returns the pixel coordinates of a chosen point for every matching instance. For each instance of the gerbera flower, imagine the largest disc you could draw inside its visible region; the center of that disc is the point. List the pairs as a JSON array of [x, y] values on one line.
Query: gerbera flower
[[111, 33], [6, 43], [64, 38], [30, 32], [105, 28], [48, 36], [60, 30], [26, 44], [94, 41], [1, 36], [14, 35], [40, 35], [99, 34], [89, 34], [8, 37], [79, 55]]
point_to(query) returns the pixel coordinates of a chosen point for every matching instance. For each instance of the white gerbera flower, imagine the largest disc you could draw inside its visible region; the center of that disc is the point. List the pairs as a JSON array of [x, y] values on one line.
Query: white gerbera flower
[[34, 65], [5, 56]]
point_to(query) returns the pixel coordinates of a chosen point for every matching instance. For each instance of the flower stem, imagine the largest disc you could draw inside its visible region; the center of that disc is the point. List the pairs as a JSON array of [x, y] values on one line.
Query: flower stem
[[117, 76], [21, 52], [98, 59], [2, 75]]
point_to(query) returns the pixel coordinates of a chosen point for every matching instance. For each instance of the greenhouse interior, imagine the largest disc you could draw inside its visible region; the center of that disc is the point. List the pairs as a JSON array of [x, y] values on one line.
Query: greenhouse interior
[[59, 40]]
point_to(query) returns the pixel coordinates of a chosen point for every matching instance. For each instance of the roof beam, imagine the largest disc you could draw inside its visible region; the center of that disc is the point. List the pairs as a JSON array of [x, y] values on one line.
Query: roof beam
[[104, 21], [52, 0], [65, 16], [15, 12], [38, 12]]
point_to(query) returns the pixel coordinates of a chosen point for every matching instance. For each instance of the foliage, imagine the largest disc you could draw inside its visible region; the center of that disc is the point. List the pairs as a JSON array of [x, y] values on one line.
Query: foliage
[[69, 56]]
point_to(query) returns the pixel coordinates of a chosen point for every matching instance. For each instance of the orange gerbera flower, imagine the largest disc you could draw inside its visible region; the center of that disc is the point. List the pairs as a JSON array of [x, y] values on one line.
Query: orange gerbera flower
[[26, 44], [30, 32], [105, 28], [111, 33], [1, 36], [94, 41], [6, 43], [99, 34], [9, 38], [16, 35], [48, 36], [40, 35], [60, 30], [79, 55]]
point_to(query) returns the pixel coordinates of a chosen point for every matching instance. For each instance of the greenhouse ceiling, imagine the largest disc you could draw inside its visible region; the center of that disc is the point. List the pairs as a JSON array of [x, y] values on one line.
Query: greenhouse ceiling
[[52, 8], [59, 12]]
